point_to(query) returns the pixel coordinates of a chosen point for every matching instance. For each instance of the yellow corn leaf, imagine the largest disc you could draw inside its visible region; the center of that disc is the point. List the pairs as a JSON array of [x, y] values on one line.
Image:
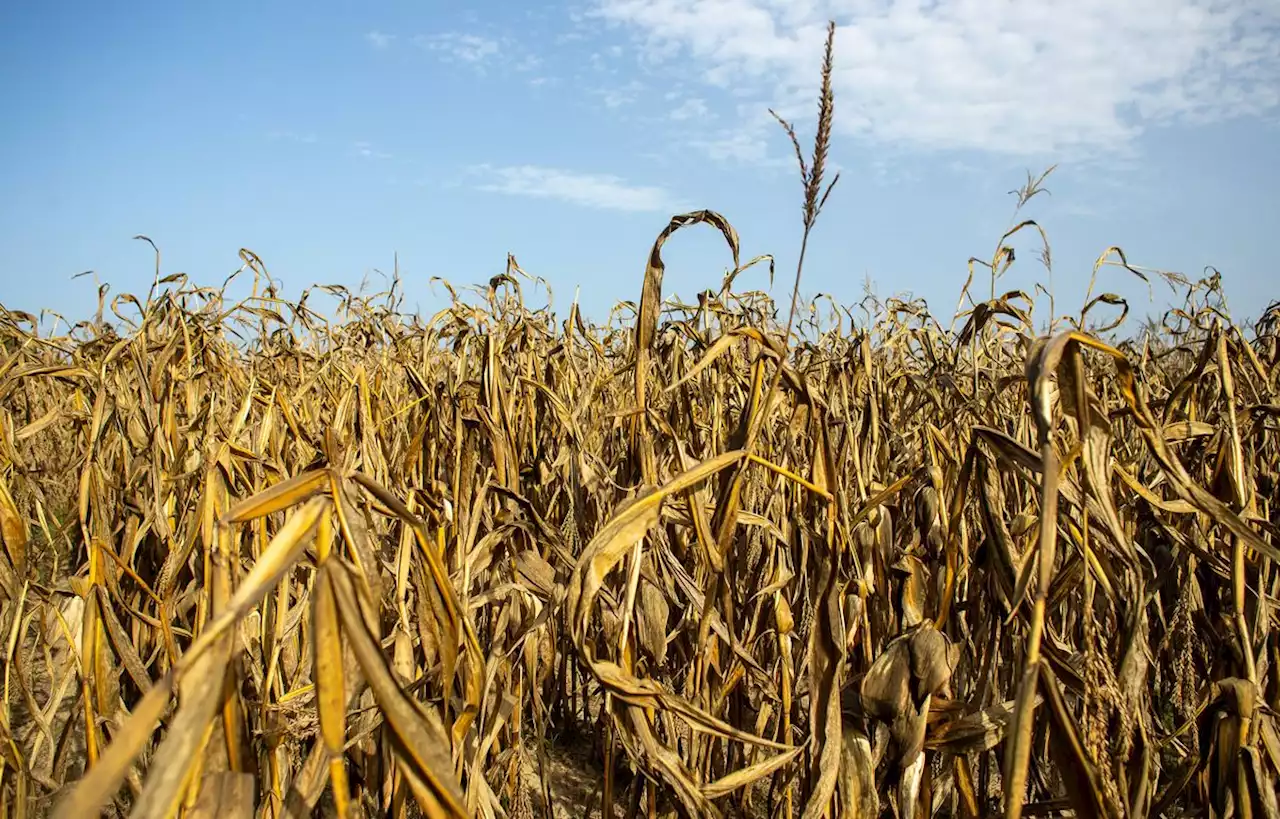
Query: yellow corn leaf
[[423, 739], [279, 496]]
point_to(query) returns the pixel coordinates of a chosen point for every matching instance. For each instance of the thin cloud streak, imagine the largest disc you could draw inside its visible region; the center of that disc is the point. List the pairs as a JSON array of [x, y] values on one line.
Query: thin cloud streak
[[603, 191], [379, 40]]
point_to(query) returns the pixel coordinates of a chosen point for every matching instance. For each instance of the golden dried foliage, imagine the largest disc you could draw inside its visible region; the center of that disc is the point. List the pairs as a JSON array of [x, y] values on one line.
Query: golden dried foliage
[[261, 563]]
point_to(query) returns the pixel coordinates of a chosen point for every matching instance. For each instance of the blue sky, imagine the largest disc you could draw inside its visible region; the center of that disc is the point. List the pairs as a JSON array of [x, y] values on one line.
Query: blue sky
[[327, 137]]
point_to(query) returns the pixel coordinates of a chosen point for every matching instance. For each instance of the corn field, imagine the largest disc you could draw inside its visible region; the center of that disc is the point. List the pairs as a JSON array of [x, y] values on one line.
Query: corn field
[[695, 561]]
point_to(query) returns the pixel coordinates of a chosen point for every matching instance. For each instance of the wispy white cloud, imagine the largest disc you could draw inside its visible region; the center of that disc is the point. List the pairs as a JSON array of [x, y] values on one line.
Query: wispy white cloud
[[692, 108], [567, 37], [890, 170], [481, 53], [577, 188], [458, 47], [743, 147], [306, 138], [1028, 78], [621, 95], [366, 150], [528, 62], [744, 137], [379, 40]]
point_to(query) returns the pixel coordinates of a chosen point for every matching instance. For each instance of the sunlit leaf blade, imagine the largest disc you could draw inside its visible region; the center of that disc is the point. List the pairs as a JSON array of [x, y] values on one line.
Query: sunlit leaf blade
[[199, 697], [331, 701], [425, 744]]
